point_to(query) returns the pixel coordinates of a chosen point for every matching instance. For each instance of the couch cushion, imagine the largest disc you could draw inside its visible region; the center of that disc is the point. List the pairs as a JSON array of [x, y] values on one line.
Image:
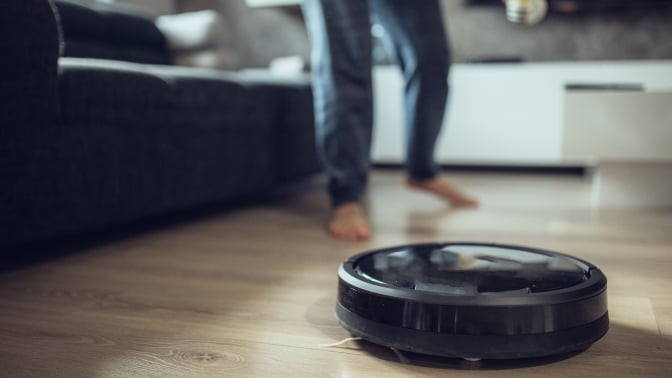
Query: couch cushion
[[127, 95], [115, 23], [99, 30], [294, 128], [138, 95]]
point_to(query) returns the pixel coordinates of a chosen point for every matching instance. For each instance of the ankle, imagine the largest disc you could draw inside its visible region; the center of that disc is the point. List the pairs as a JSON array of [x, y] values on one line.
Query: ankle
[[421, 182], [348, 207]]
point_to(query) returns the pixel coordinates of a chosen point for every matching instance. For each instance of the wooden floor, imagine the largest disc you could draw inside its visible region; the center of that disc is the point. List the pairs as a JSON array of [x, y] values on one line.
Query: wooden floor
[[251, 292]]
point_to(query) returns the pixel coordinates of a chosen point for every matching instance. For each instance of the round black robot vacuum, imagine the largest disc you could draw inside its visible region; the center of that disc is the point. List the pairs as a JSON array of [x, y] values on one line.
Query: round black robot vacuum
[[473, 301]]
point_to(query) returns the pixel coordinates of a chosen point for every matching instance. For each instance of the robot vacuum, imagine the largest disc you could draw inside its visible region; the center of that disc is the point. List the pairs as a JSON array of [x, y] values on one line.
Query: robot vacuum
[[473, 301]]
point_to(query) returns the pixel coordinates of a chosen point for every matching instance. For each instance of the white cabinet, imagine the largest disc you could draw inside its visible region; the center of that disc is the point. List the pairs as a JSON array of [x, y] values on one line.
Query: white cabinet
[[503, 113], [618, 126]]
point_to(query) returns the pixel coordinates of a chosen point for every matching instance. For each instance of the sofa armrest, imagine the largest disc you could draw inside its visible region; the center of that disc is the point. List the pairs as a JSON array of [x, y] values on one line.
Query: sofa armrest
[[30, 46]]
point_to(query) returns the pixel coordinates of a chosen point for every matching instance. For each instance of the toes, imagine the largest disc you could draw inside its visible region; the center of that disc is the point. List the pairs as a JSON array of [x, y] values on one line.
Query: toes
[[444, 190], [465, 203]]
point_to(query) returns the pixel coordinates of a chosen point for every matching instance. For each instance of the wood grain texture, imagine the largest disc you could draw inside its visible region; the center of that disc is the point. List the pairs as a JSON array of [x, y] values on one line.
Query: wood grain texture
[[250, 292]]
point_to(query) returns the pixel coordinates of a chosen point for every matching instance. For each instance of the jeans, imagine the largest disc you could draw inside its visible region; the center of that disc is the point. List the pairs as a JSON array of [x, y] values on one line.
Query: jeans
[[340, 34]]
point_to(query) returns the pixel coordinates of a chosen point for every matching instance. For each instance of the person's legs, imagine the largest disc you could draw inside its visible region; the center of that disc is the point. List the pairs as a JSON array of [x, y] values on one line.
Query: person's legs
[[416, 34], [340, 33]]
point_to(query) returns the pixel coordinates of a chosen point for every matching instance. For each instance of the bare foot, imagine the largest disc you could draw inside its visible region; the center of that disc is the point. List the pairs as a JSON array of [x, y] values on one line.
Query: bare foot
[[349, 223], [443, 189]]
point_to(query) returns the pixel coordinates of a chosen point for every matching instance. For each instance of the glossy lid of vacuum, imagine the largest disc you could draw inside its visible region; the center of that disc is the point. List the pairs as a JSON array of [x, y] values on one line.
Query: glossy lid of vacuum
[[464, 269], [473, 290]]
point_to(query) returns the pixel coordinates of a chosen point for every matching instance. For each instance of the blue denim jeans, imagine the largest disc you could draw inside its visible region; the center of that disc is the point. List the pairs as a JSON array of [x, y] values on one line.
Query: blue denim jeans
[[340, 34]]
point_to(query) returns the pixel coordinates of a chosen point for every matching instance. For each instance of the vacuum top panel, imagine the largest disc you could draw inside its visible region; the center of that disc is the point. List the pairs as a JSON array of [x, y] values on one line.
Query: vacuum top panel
[[470, 269]]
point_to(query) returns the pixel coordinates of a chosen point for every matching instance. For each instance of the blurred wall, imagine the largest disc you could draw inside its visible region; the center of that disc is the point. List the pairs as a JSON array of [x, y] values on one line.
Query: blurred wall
[[476, 32], [481, 32], [261, 34]]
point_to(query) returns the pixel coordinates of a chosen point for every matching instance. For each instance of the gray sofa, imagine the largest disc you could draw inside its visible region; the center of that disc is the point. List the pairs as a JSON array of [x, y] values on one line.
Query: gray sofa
[[102, 130]]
